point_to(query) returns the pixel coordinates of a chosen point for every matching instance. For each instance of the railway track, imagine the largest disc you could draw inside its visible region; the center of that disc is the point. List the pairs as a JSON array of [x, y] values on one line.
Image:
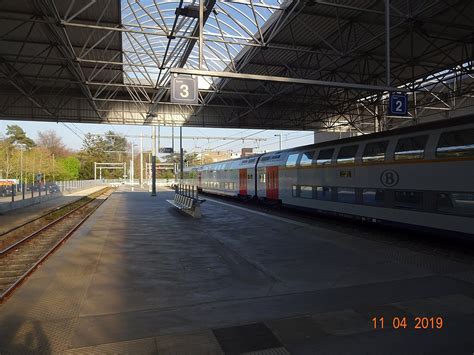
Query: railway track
[[24, 248]]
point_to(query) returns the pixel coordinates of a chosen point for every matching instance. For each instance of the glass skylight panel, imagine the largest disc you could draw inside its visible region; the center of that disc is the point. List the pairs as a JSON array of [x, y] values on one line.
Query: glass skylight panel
[[148, 53]]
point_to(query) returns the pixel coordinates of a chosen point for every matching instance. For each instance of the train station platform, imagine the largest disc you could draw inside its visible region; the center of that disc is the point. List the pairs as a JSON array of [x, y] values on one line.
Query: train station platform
[[140, 277]]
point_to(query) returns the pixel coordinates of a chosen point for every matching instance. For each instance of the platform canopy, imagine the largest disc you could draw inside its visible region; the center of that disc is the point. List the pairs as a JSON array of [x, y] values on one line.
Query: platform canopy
[[276, 64]]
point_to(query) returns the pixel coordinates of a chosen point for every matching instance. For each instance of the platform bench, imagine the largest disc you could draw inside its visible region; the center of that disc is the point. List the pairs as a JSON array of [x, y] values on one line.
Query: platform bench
[[188, 205]]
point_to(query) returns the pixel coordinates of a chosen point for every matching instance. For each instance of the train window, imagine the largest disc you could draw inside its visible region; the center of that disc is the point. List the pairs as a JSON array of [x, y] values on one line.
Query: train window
[[324, 156], [324, 193], [409, 199], [244, 162], [294, 191], [456, 144], [252, 160], [307, 158], [306, 192], [373, 197], [411, 148], [266, 158], [375, 151], [276, 157], [458, 203], [292, 158], [346, 195], [261, 177], [347, 154]]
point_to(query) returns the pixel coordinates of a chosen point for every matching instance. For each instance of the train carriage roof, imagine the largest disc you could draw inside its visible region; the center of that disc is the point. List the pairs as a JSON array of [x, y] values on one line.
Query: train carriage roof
[[447, 123]]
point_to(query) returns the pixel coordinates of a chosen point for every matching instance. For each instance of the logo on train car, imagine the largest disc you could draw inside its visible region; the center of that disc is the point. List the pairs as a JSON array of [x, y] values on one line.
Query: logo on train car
[[389, 178]]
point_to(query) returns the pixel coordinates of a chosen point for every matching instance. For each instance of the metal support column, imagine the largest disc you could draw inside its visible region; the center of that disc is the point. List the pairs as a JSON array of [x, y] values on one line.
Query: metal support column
[[132, 168], [172, 138], [201, 37], [141, 159], [387, 42], [181, 153], [159, 145], [153, 162]]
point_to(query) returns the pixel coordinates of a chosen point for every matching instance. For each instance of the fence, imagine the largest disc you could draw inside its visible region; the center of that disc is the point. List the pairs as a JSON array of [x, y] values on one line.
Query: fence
[[12, 196]]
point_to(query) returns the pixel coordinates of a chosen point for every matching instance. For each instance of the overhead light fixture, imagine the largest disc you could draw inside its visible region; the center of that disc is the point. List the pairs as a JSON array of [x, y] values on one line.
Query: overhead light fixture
[[191, 11]]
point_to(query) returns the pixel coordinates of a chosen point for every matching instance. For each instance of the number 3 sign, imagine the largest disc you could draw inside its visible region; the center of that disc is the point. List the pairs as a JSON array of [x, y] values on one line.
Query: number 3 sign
[[184, 90]]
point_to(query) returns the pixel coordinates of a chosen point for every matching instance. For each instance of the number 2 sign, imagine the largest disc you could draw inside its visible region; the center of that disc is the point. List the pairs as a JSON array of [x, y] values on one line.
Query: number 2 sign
[[184, 90], [398, 105]]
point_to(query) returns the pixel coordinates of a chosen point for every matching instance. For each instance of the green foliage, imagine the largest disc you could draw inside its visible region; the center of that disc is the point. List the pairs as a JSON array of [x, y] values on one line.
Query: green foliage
[[68, 168], [171, 158], [190, 159], [165, 174], [109, 149], [16, 135], [52, 159]]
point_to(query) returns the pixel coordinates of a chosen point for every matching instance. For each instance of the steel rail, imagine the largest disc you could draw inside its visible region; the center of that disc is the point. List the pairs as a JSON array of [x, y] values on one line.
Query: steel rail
[[42, 216], [9, 248], [28, 272]]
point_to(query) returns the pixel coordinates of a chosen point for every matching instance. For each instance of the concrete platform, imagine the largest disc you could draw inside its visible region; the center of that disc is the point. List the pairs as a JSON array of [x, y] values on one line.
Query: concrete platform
[[139, 277]]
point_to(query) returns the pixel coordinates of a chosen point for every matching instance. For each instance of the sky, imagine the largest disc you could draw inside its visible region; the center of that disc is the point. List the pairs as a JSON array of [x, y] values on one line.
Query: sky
[[72, 135]]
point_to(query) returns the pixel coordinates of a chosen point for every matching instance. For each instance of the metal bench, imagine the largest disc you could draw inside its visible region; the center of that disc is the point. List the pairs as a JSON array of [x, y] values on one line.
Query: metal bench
[[186, 200]]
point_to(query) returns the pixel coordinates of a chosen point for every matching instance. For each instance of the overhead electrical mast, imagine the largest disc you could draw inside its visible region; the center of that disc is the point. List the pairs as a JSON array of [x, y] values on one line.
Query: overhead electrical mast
[[153, 162]]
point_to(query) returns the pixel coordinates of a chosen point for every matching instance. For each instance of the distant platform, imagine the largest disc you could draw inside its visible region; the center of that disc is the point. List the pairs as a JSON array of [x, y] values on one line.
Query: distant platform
[[139, 277]]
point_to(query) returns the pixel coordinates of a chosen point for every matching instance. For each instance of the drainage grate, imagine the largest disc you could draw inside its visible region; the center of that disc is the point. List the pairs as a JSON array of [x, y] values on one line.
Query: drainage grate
[[246, 338]]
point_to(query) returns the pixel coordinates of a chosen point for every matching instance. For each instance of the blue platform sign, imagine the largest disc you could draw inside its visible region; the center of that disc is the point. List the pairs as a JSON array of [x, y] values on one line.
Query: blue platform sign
[[398, 105]]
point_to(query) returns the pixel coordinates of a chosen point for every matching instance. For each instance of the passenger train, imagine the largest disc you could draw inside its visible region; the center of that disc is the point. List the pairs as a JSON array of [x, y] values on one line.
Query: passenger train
[[419, 176]]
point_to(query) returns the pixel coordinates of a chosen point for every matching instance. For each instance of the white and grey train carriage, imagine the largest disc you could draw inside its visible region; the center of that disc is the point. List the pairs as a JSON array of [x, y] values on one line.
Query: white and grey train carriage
[[419, 176]]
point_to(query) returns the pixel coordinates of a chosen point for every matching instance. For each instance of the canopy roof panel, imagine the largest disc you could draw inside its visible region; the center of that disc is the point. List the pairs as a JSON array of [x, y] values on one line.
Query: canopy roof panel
[[110, 61]]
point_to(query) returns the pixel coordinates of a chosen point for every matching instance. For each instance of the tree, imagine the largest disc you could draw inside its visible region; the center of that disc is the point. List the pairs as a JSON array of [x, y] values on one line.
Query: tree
[[5, 156], [51, 141], [172, 158], [16, 135], [115, 142], [190, 158], [108, 149], [165, 174], [68, 168]]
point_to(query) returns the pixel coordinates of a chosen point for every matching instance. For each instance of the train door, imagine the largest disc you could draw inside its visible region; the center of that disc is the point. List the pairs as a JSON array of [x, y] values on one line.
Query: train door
[[243, 181], [199, 179], [272, 182]]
